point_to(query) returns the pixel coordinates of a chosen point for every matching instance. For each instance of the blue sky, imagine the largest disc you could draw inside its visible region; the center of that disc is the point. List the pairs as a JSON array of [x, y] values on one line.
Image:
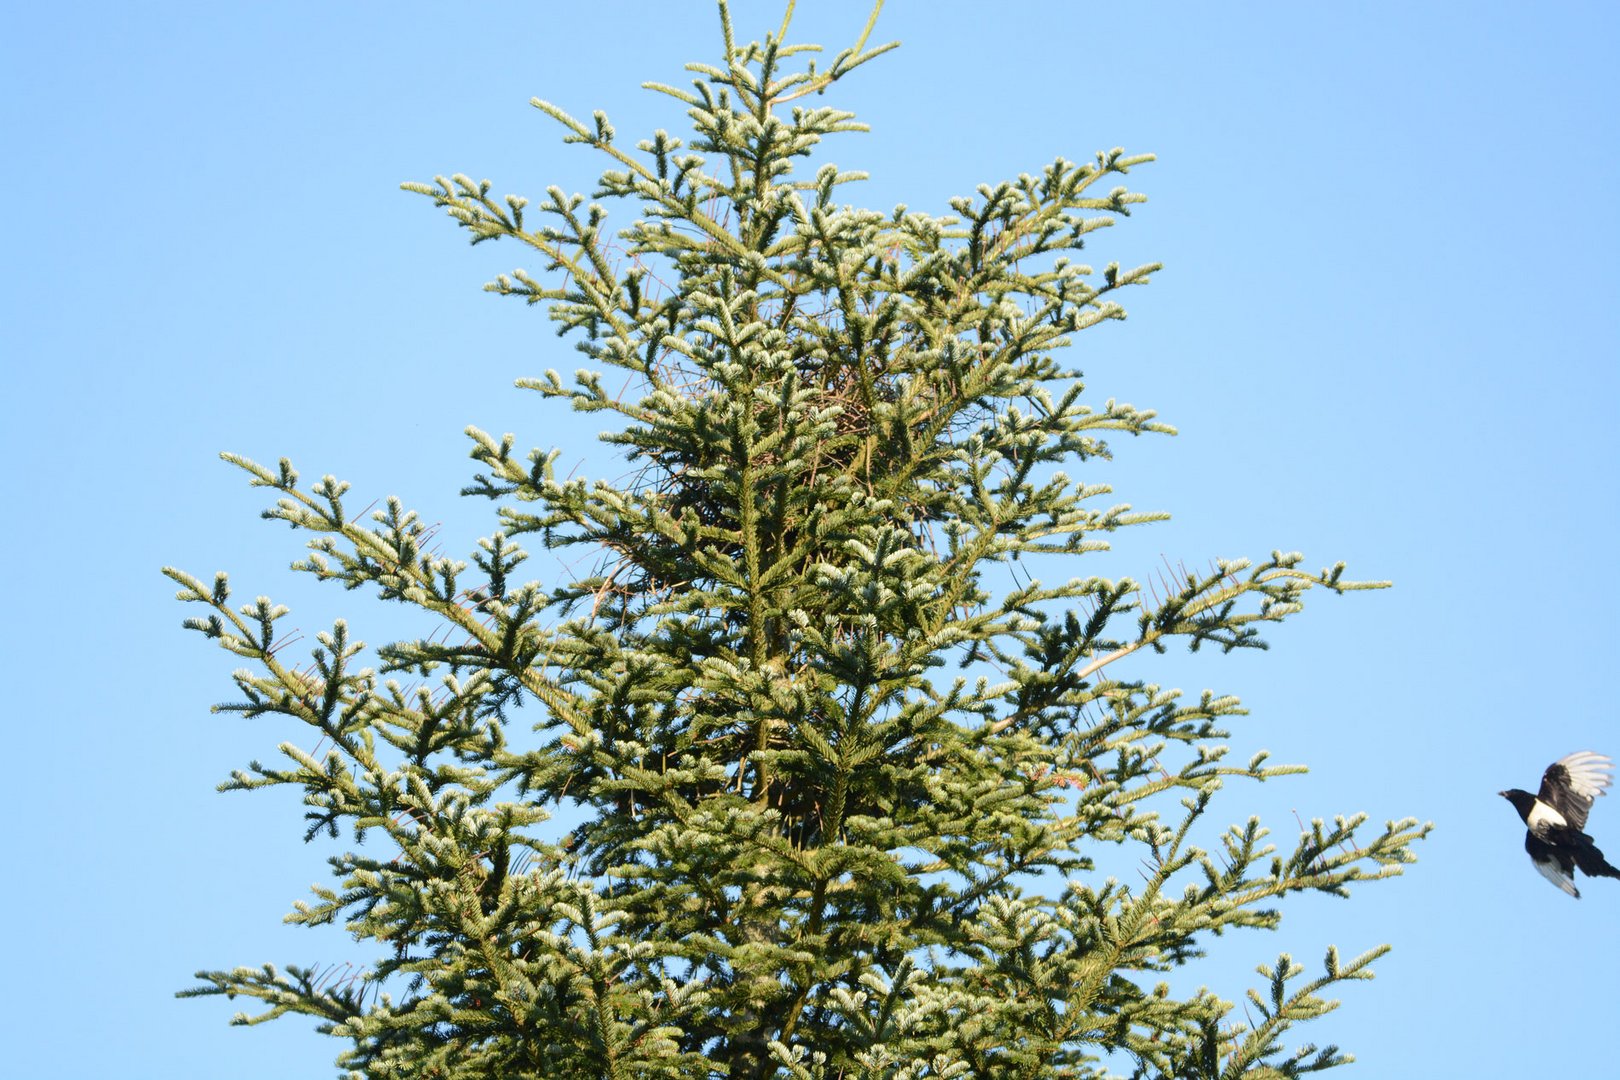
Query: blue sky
[[1386, 329]]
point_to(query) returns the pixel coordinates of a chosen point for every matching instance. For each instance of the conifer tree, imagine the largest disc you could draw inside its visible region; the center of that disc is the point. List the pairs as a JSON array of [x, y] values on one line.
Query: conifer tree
[[833, 781]]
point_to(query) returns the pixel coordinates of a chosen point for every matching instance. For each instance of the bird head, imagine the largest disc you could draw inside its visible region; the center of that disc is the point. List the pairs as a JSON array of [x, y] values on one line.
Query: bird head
[[1522, 800]]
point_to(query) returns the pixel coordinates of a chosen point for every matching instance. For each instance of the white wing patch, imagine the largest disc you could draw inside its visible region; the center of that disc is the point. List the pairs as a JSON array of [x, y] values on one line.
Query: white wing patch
[[1543, 817], [1588, 772], [1555, 874]]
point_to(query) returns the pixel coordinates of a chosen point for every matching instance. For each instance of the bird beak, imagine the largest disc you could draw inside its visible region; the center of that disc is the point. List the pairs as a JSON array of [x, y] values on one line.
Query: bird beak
[[1502, 793]]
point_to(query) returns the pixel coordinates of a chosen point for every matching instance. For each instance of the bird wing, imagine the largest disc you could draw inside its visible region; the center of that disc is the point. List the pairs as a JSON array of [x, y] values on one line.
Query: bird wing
[[1553, 872], [1571, 783], [1552, 863]]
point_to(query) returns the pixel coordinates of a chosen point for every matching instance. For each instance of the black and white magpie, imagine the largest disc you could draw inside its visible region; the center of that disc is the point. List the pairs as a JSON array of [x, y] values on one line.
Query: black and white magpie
[[1556, 816]]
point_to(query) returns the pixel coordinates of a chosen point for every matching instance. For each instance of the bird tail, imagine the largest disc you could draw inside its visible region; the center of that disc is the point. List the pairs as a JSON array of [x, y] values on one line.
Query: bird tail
[[1592, 862]]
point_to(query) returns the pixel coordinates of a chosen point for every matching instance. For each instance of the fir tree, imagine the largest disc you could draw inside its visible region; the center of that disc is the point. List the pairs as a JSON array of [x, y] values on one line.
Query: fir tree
[[834, 787]]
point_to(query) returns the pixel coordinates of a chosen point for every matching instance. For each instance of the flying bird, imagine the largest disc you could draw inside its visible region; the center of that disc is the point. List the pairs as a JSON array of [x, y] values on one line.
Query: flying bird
[[1556, 818]]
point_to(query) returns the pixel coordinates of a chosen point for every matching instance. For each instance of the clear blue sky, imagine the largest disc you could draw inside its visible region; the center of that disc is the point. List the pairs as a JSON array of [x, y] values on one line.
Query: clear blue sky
[[1386, 329]]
